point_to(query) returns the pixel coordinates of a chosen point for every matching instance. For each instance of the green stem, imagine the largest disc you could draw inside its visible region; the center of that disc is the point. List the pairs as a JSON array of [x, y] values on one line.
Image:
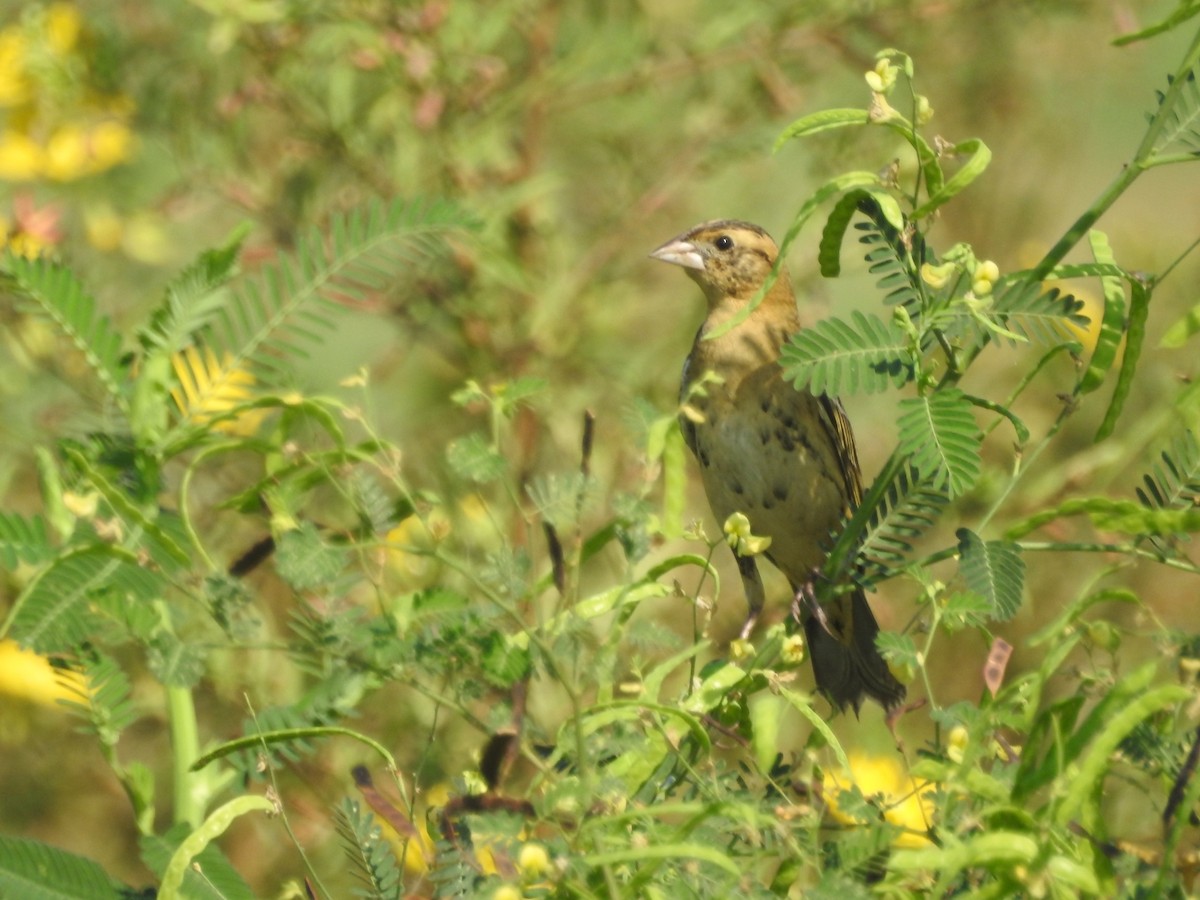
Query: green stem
[[185, 749], [1142, 160]]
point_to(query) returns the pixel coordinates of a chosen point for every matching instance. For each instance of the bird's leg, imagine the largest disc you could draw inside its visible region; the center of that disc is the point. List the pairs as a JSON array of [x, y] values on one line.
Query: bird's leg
[[805, 600], [755, 595]]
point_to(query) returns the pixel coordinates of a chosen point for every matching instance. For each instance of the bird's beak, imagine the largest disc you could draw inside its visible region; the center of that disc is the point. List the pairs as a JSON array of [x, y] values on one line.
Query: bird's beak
[[681, 253]]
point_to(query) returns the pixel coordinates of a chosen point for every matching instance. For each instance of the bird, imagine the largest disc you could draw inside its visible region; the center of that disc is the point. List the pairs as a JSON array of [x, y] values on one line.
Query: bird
[[783, 457]]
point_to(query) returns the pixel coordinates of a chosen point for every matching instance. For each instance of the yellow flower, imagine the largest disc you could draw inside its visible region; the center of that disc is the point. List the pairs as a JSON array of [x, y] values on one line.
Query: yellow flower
[[103, 227], [62, 28], [533, 861], [985, 275], [66, 154], [20, 156], [24, 675], [14, 87], [882, 78], [937, 276], [793, 649], [410, 545], [74, 152], [743, 542], [956, 743], [145, 240], [905, 802]]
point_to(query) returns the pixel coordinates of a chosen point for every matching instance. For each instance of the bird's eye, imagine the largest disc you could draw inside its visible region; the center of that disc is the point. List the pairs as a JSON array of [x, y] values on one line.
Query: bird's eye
[[724, 242]]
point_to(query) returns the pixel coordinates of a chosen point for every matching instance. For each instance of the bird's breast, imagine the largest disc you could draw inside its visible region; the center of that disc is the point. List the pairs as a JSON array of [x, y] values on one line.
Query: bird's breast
[[764, 452]]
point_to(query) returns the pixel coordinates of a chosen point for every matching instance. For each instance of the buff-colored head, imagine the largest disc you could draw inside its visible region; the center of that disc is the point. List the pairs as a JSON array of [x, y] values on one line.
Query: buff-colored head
[[728, 258]]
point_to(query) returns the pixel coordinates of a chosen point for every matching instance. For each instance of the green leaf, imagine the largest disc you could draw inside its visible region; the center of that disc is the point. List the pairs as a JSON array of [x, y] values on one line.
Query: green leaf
[[906, 509], [211, 877], [289, 304], [893, 257], [192, 298], [1135, 337], [1180, 104], [195, 843], [939, 434], [824, 120], [23, 540], [289, 736], [837, 357], [32, 870], [1176, 483], [993, 850], [1013, 419], [107, 702], [833, 234], [371, 858], [559, 496], [1058, 739], [1112, 325], [1182, 12], [138, 522], [1107, 514], [1182, 330], [979, 157], [57, 293], [1099, 757], [898, 649], [175, 662], [684, 854], [474, 459], [1045, 317], [994, 570], [504, 662], [766, 712], [305, 561], [53, 614]]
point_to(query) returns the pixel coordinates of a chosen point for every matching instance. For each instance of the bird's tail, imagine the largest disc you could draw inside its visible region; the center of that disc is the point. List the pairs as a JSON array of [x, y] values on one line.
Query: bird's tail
[[847, 665]]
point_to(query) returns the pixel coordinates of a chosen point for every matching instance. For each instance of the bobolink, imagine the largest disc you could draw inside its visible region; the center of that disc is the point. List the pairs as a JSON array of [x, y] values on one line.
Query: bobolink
[[784, 458]]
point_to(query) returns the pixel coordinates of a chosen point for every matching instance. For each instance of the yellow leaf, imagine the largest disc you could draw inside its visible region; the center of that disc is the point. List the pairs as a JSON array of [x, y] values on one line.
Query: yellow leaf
[[208, 387]]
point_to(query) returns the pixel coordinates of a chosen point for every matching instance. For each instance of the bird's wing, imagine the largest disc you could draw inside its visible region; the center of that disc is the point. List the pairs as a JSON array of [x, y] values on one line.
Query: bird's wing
[[837, 425]]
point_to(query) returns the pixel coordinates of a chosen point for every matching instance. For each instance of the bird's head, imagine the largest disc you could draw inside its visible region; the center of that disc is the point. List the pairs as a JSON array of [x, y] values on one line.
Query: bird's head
[[729, 259]]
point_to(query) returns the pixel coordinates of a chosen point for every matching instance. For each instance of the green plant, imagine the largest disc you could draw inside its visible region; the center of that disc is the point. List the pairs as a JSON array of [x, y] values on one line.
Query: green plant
[[655, 764]]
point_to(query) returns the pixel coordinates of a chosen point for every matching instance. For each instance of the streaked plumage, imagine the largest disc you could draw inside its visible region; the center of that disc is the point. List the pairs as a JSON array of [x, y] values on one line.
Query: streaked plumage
[[784, 458]]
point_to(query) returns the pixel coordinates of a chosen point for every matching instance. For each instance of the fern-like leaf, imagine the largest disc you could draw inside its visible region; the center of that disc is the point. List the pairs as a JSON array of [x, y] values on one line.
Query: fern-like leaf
[[894, 258], [207, 387], [1047, 318], [105, 700], [938, 432], [839, 357], [371, 858], [53, 614], [906, 510], [1182, 129], [289, 304], [55, 291], [192, 300], [23, 540], [31, 869], [994, 570], [1176, 483]]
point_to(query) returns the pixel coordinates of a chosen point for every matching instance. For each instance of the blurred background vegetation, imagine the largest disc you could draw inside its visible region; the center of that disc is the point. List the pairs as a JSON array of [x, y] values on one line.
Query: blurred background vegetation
[[581, 135]]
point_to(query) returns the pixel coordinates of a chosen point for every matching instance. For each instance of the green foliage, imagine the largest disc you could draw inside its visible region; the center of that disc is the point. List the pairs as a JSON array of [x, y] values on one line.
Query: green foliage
[[994, 570], [251, 561], [41, 872], [371, 859]]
